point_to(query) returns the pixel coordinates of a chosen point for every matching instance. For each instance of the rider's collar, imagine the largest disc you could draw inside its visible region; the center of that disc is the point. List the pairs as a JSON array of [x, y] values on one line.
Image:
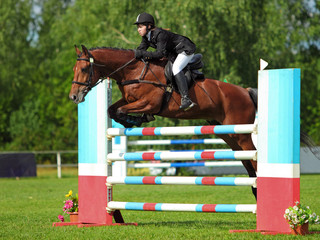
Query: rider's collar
[[149, 35]]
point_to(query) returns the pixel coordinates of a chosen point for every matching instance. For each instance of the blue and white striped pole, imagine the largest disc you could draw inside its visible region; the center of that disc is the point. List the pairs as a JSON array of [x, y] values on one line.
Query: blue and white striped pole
[[93, 148], [189, 130], [183, 155], [219, 181], [182, 207]]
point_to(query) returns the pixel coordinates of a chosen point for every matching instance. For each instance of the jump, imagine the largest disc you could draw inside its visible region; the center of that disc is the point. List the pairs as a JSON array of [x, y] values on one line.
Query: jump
[[145, 91]]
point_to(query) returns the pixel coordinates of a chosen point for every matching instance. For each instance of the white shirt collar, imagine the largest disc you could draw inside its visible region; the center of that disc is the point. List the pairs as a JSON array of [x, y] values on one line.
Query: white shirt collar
[[149, 35]]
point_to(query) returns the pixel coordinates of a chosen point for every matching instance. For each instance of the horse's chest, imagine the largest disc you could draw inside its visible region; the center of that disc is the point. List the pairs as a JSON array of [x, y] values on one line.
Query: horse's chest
[[133, 92], [130, 99], [131, 96]]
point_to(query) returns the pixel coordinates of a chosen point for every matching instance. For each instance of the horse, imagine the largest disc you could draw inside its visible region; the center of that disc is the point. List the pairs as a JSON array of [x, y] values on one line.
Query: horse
[[145, 91]]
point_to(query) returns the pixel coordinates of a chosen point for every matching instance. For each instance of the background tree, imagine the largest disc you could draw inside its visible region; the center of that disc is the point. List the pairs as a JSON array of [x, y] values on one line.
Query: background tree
[[37, 54], [16, 70]]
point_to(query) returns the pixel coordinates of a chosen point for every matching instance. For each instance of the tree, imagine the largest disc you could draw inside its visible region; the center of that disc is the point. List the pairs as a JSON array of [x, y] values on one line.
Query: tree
[[16, 29]]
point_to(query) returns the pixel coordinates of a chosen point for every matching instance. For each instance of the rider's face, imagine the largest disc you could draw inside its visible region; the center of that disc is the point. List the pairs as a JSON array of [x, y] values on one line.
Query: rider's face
[[142, 30]]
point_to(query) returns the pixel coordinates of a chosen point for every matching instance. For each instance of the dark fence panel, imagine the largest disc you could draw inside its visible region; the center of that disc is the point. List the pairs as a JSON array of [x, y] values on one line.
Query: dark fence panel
[[18, 165]]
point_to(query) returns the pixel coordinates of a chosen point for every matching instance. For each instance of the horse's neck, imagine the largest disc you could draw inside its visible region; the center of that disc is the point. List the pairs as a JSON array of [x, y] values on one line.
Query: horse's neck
[[116, 63], [113, 59]]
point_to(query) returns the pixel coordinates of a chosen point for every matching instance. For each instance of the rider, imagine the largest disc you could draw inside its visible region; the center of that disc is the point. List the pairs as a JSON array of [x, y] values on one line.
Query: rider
[[167, 44]]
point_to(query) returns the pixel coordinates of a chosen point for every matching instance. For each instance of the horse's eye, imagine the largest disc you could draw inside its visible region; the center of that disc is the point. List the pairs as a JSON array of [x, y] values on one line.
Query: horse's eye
[[84, 70]]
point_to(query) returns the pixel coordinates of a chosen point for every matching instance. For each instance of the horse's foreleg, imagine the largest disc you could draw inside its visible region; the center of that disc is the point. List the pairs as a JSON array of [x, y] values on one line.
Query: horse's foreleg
[[120, 118], [138, 107], [112, 110]]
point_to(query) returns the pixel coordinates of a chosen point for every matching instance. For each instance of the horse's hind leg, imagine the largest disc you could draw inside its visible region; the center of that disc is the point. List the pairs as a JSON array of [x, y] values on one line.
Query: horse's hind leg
[[245, 142], [233, 141]]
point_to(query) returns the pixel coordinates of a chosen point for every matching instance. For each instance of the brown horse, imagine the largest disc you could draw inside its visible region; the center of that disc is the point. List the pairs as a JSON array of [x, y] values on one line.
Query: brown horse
[[144, 90]]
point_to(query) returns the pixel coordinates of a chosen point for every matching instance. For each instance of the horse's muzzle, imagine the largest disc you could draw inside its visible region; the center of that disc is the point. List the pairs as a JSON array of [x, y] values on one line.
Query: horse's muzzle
[[77, 98], [73, 98]]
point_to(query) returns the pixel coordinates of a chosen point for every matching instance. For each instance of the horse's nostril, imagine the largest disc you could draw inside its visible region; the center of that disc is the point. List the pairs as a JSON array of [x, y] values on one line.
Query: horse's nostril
[[73, 97]]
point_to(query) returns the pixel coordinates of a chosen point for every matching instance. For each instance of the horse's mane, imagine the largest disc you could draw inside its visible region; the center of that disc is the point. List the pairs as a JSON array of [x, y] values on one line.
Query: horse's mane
[[111, 48], [160, 62]]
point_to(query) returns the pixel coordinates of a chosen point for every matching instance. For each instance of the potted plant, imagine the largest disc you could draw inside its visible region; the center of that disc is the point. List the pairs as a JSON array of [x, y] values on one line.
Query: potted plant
[[299, 217], [70, 207]]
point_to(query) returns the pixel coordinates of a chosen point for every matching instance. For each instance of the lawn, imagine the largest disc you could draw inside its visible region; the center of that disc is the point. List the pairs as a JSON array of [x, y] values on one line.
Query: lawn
[[29, 206]]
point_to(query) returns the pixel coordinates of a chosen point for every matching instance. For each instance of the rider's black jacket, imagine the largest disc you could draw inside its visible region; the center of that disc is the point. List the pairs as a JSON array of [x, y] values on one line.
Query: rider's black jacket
[[166, 43]]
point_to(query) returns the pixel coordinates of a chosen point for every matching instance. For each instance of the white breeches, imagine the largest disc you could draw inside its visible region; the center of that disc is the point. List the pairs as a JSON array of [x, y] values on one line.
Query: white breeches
[[181, 62]]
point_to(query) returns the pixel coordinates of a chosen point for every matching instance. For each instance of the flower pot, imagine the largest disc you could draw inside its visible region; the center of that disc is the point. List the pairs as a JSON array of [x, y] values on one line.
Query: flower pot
[[301, 230], [74, 217]]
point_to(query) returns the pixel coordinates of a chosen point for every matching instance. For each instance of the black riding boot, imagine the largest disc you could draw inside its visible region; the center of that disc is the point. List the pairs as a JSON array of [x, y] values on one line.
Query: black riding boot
[[181, 81]]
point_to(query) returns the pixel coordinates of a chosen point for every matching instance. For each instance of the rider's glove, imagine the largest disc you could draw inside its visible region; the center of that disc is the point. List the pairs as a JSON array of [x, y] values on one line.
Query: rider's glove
[[138, 54]]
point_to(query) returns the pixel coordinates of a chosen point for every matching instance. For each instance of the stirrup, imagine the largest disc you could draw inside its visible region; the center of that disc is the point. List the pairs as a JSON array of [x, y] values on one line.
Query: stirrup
[[188, 105]]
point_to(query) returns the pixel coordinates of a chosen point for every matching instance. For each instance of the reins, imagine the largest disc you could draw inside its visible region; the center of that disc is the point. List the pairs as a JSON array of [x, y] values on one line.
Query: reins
[[140, 80]]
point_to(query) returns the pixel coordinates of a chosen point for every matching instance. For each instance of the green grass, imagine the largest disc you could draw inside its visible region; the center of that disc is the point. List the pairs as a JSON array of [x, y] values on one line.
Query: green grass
[[29, 206]]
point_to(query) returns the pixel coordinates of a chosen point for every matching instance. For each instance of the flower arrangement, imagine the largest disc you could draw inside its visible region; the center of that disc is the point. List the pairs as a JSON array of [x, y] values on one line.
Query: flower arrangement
[[299, 215], [70, 205]]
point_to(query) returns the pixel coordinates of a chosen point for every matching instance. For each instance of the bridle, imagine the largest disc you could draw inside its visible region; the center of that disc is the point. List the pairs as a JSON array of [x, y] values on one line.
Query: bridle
[[88, 83], [91, 60]]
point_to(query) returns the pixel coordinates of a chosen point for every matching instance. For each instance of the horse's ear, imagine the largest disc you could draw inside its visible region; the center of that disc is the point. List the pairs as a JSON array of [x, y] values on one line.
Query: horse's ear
[[77, 50], [84, 50]]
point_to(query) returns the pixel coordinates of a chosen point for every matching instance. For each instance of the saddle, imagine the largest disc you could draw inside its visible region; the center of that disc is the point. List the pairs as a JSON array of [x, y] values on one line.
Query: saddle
[[191, 71]]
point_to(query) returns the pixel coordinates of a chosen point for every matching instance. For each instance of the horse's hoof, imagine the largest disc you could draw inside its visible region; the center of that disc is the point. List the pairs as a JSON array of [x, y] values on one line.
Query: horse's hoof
[[119, 112], [148, 117], [127, 125]]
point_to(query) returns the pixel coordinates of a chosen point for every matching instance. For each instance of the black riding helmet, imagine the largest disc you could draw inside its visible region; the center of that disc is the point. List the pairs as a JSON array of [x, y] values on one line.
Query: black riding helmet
[[145, 18]]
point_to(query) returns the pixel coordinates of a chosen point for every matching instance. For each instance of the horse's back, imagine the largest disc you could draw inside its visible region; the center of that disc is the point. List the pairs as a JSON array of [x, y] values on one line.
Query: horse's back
[[233, 102]]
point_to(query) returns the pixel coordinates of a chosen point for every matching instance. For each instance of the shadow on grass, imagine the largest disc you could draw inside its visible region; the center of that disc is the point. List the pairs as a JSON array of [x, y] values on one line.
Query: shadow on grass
[[217, 224]]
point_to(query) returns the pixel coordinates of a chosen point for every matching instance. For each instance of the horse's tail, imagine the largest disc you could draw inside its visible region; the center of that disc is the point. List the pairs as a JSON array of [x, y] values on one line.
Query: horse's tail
[[307, 140], [253, 92]]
